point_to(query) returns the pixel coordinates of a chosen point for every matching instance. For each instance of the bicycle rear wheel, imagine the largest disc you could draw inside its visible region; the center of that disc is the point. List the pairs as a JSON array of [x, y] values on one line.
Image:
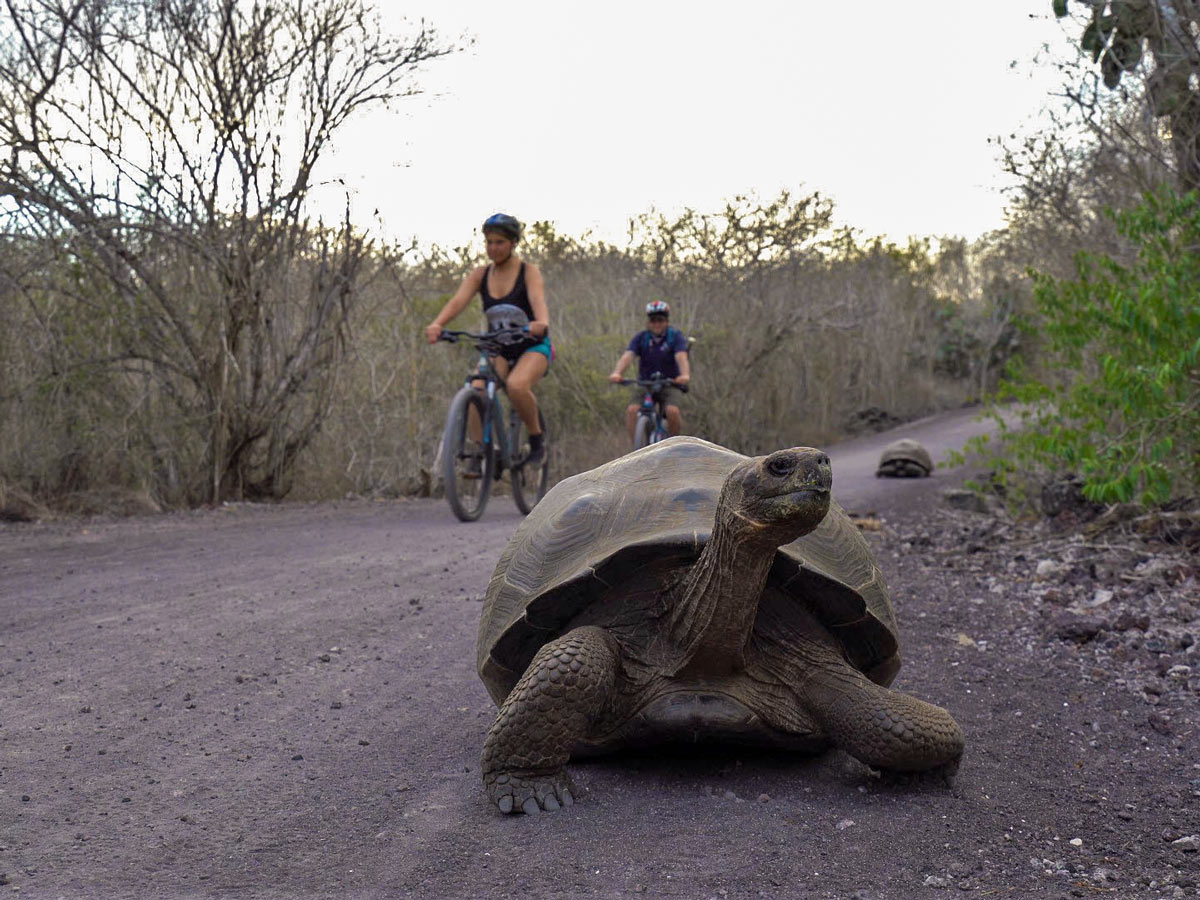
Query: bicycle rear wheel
[[529, 485], [467, 468]]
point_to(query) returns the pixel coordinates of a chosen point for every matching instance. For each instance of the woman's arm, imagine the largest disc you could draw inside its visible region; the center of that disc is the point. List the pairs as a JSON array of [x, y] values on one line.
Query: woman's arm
[[536, 288], [456, 304]]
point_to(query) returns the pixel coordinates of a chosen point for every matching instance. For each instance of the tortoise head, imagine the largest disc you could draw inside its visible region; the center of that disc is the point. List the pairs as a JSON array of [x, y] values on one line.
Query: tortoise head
[[776, 498]]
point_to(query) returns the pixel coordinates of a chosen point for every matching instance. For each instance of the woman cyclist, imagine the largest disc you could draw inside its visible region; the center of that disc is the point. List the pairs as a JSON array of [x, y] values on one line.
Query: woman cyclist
[[513, 294]]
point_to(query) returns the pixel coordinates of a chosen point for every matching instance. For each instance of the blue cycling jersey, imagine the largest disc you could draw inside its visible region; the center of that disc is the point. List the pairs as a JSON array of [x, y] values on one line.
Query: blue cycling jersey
[[657, 354]]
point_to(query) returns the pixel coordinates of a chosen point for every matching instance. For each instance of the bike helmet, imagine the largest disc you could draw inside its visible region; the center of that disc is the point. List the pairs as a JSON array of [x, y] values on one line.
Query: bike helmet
[[658, 308], [504, 224]]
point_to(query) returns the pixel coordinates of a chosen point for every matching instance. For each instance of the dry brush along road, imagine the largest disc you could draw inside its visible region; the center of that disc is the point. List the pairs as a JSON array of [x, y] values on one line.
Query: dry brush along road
[[280, 701]]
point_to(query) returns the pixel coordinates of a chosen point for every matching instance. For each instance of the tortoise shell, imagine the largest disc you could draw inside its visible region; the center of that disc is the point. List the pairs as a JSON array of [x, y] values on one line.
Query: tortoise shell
[[906, 450], [594, 529]]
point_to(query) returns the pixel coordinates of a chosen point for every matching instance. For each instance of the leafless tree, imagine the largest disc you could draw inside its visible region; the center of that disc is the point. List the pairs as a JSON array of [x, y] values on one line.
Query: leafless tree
[[168, 149]]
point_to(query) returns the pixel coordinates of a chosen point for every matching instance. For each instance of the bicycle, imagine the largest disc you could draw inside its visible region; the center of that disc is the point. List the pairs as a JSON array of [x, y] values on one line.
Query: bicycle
[[469, 466], [651, 424]]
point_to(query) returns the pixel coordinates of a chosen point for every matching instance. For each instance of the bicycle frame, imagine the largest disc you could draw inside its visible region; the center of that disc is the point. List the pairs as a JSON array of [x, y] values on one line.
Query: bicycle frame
[[653, 408], [502, 438], [490, 345]]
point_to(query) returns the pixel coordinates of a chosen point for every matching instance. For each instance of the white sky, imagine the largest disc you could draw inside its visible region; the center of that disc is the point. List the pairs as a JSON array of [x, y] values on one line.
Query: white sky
[[587, 114]]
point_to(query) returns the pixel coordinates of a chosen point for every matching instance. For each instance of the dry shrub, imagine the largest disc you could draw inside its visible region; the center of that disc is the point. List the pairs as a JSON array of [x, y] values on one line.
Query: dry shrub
[[791, 341], [798, 327]]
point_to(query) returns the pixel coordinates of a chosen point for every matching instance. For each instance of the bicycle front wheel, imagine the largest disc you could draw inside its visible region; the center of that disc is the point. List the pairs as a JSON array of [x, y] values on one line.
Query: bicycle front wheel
[[529, 484], [642, 432], [467, 465], [660, 432]]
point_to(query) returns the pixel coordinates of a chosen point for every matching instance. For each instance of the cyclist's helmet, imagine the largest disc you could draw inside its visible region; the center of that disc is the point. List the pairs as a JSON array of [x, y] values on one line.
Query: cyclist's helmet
[[658, 308], [504, 224]]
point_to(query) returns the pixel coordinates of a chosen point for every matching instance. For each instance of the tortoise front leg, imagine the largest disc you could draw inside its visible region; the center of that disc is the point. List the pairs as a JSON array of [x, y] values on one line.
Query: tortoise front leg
[[883, 728], [552, 707]]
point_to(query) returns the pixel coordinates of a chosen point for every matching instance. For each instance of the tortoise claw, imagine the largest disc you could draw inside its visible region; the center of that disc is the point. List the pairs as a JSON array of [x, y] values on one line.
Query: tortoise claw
[[529, 792]]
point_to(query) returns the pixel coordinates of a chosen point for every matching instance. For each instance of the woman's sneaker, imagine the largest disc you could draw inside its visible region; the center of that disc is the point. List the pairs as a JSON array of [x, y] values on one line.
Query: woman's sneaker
[[537, 452]]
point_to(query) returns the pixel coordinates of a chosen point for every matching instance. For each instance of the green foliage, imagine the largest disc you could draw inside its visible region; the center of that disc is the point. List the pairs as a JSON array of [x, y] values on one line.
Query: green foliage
[[1121, 403]]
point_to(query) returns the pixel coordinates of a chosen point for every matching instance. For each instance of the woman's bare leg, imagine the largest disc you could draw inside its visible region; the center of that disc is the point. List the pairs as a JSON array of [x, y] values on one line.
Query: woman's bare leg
[[519, 384]]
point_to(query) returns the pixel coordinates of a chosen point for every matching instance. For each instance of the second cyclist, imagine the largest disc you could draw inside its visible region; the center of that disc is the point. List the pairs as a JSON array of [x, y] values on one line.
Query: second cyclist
[[659, 349]]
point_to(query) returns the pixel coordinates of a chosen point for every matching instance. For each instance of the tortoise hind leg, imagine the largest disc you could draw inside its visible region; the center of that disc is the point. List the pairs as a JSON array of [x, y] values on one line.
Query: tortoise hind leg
[[553, 706], [883, 728]]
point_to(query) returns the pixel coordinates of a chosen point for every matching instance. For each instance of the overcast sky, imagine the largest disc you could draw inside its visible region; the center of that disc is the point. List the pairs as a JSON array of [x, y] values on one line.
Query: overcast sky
[[588, 114]]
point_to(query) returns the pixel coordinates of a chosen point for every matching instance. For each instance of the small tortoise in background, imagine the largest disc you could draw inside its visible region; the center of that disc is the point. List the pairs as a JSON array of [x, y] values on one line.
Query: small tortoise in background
[[684, 592], [904, 458]]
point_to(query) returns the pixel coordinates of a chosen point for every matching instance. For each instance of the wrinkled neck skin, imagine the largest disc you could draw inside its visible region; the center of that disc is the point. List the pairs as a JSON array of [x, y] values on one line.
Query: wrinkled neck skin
[[716, 604]]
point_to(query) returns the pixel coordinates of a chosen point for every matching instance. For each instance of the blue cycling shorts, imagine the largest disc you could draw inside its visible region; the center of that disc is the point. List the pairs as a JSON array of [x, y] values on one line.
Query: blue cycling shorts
[[543, 347]]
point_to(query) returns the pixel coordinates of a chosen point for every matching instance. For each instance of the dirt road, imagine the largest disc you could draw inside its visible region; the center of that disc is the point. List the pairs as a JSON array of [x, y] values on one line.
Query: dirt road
[[280, 701]]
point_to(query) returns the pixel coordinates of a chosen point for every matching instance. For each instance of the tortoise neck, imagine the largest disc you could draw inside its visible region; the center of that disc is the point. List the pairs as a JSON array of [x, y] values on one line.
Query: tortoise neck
[[718, 600]]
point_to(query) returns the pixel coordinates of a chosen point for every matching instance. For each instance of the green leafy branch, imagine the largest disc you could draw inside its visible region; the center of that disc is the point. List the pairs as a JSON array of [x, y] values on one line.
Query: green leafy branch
[[1117, 399]]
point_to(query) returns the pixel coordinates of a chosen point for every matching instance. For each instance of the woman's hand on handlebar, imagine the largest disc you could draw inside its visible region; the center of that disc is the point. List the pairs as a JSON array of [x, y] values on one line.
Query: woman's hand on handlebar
[[538, 329], [616, 377], [432, 332], [681, 380]]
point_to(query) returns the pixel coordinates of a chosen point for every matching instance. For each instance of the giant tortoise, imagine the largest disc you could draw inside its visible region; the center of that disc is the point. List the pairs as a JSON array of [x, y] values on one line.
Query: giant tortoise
[[685, 592], [904, 458]]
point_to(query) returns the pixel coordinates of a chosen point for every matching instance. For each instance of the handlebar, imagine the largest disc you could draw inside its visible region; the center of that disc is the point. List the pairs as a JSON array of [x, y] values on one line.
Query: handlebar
[[655, 384], [500, 338]]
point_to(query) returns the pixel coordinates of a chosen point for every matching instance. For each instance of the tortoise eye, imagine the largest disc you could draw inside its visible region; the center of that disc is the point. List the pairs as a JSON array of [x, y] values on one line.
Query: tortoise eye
[[781, 465]]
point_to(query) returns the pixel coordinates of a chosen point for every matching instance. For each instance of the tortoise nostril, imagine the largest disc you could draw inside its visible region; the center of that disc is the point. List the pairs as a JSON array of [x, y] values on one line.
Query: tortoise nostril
[[822, 459]]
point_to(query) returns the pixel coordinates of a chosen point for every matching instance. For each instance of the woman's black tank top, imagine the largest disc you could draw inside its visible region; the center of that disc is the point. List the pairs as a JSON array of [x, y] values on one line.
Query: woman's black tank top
[[517, 297]]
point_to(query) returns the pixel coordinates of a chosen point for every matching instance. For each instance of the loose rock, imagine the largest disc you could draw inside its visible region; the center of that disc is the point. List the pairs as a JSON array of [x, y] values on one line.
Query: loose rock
[[1051, 570], [1070, 626], [1189, 844], [969, 501]]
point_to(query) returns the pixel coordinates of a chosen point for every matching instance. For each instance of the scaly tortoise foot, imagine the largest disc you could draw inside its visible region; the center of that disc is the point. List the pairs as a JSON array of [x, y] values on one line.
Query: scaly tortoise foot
[[528, 791]]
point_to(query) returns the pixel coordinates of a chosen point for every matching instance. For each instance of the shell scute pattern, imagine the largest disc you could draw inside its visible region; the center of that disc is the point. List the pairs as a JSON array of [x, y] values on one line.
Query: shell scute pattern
[[693, 499]]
